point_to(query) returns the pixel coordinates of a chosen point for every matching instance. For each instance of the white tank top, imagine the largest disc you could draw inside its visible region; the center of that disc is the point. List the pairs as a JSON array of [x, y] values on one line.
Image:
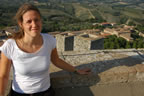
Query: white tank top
[[30, 70]]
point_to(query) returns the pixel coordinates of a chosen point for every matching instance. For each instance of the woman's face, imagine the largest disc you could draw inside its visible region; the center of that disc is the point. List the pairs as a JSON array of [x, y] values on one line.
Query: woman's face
[[31, 24]]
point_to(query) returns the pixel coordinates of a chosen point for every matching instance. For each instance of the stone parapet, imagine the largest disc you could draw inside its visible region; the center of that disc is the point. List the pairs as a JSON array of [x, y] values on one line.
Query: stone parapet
[[108, 67], [122, 74]]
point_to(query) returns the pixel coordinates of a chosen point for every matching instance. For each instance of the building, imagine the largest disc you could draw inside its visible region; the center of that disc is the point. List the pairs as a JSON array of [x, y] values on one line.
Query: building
[[119, 32], [79, 41]]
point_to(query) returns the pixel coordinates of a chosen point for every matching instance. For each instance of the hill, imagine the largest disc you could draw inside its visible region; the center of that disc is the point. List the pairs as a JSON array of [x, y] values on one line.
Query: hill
[[63, 14], [119, 12]]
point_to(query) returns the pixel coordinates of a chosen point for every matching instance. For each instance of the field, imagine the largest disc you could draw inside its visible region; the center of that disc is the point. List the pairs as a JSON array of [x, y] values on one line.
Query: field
[[74, 11]]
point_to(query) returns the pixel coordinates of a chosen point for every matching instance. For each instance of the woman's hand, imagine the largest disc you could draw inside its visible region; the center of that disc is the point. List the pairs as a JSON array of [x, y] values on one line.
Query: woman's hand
[[85, 71]]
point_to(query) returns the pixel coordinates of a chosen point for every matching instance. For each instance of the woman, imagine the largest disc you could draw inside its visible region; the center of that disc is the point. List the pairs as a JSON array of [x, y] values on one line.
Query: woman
[[29, 52]]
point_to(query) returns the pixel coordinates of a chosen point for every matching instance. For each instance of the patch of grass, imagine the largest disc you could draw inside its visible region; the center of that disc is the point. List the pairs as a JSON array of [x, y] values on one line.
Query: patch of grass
[[133, 13], [82, 13]]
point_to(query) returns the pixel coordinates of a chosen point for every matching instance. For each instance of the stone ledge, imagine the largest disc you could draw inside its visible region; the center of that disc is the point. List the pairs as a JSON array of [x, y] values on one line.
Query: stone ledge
[[108, 67], [121, 74]]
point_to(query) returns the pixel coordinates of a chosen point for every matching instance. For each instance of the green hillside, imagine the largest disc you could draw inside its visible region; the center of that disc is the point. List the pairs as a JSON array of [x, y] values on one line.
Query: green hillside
[[59, 14]]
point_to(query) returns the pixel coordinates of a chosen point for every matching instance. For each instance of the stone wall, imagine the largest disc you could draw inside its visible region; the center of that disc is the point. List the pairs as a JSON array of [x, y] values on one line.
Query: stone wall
[[81, 44], [60, 42], [97, 44], [108, 67], [78, 43]]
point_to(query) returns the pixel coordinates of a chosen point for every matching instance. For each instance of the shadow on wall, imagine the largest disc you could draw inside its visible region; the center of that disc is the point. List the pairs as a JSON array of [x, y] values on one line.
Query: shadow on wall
[[70, 84]]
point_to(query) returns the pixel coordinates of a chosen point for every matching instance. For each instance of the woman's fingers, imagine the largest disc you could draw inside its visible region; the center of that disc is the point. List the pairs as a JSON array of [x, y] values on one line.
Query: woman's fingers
[[85, 71]]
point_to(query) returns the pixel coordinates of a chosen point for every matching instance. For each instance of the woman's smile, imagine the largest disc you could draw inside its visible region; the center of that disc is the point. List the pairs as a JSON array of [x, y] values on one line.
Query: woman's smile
[[31, 24]]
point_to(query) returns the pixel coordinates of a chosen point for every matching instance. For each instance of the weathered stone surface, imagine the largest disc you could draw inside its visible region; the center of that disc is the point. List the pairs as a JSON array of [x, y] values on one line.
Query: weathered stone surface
[[108, 67]]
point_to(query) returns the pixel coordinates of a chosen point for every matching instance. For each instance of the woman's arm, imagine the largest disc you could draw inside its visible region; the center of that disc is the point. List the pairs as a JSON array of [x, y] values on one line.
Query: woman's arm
[[5, 65], [64, 65]]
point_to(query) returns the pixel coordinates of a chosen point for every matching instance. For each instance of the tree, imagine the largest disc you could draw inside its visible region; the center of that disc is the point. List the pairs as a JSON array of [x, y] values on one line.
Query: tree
[[128, 45], [112, 45], [122, 42], [134, 44], [117, 46], [131, 23], [106, 45], [140, 44]]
